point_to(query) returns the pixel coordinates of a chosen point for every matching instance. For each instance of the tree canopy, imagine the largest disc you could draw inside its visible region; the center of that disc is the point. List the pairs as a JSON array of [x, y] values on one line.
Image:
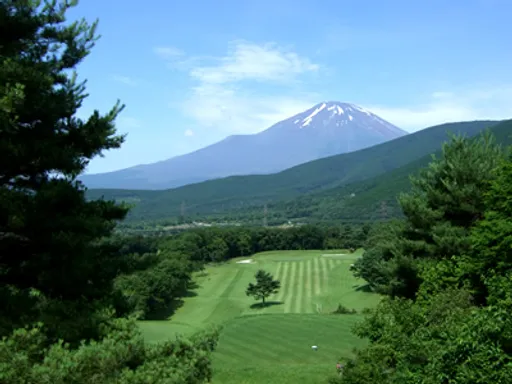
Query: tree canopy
[[453, 323], [264, 287], [51, 262], [58, 260]]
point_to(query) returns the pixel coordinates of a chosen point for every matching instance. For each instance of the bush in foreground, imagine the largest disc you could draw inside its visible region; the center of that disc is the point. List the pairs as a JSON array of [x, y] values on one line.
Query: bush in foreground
[[121, 356]]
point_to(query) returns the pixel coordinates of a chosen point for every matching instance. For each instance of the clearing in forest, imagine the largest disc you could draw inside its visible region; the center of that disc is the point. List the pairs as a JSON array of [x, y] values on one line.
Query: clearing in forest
[[273, 344]]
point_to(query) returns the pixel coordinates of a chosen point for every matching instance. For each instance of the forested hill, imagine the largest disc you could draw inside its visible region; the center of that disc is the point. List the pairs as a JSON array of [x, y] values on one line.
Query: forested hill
[[368, 200], [242, 192]]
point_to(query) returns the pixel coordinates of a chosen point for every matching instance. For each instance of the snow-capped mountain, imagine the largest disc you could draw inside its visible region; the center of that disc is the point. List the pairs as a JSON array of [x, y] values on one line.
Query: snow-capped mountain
[[349, 126], [344, 114], [326, 129]]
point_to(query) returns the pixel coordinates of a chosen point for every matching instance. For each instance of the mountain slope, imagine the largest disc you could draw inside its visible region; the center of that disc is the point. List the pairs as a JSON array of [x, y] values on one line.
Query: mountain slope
[[241, 192], [371, 199], [326, 129]]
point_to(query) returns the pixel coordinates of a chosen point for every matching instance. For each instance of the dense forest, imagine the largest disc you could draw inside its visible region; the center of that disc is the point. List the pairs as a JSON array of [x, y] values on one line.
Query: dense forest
[[72, 288]]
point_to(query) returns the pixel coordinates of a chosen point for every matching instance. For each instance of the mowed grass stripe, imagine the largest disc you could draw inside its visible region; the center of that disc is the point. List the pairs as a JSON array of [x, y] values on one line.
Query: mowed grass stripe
[[324, 267], [283, 279], [232, 283], [299, 289], [292, 282], [203, 306], [285, 339], [316, 276], [308, 287], [250, 347], [274, 335], [277, 274], [217, 282], [226, 306]]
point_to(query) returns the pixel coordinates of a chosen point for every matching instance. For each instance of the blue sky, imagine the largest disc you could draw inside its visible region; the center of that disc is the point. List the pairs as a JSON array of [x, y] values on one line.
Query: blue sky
[[194, 72]]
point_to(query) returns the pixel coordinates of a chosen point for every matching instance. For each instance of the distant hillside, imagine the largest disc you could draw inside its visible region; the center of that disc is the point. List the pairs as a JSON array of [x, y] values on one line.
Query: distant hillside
[[367, 200], [243, 192], [326, 129]]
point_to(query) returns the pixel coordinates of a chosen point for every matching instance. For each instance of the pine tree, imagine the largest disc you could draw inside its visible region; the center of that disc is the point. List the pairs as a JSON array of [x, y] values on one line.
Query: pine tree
[[264, 287], [55, 267], [52, 266], [447, 199], [488, 265], [458, 329]]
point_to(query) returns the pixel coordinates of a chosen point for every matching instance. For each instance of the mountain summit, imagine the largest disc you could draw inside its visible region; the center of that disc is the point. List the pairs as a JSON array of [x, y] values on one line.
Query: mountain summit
[[326, 129], [344, 114], [351, 126]]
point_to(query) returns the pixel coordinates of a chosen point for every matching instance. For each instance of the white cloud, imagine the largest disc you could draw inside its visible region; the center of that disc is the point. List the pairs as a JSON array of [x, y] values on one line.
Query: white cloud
[[254, 86], [188, 132], [218, 100], [125, 80], [487, 103], [246, 61], [168, 52]]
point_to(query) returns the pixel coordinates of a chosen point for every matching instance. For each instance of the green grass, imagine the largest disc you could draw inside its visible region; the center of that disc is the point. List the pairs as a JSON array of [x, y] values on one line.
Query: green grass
[[273, 344]]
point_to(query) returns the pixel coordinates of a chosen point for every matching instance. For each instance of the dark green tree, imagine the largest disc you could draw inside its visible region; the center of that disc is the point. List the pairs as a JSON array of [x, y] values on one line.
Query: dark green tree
[[52, 265], [58, 260], [218, 249], [446, 201], [156, 289], [264, 287], [381, 246], [244, 243], [457, 328], [490, 257], [120, 357]]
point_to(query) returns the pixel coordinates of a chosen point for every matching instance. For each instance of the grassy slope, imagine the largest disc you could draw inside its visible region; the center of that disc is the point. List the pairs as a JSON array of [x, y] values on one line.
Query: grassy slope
[[243, 191], [273, 344]]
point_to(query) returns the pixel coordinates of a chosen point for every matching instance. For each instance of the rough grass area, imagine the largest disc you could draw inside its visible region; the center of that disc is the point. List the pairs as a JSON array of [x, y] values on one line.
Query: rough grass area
[[272, 344]]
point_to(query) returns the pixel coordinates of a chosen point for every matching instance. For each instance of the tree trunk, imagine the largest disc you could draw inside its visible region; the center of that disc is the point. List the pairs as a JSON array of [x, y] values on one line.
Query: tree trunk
[[263, 298]]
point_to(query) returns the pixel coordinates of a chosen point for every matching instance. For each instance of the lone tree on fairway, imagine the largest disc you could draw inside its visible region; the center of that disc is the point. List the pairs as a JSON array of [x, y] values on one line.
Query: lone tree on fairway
[[264, 287]]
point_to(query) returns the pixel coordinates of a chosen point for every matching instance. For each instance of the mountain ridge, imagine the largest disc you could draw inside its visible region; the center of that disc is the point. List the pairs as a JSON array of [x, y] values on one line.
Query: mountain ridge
[[332, 128], [236, 192], [371, 199]]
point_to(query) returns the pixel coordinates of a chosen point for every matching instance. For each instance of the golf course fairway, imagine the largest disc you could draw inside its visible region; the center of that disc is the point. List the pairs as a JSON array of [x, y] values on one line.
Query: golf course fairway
[[273, 344]]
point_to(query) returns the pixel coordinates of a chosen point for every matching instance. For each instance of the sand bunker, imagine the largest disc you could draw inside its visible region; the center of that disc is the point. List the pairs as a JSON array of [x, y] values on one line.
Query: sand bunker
[[334, 254], [246, 261]]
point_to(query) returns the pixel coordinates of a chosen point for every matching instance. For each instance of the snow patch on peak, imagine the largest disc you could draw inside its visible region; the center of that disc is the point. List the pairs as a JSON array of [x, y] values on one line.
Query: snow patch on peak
[[309, 119], [334, 108], [337, 110], [335, 113], [361, 109]]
